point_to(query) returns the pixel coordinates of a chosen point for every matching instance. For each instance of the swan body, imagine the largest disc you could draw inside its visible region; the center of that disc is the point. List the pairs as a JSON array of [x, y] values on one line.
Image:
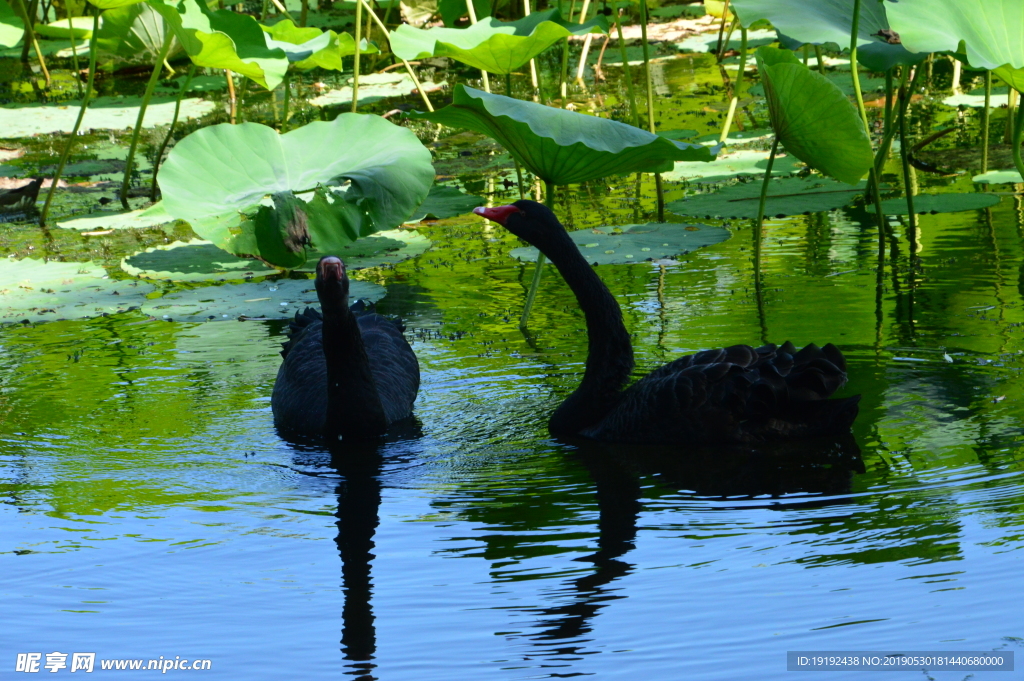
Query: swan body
[[734, 395], [344, 375]]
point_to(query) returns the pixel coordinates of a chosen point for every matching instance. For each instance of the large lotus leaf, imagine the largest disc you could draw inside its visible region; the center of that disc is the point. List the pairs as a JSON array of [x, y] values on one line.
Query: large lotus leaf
[[844, 82], [998, 177], [223, 39], [134, 33], [262, 300], [195, 260], [990, 29], [734, 164], [385, 249], [12, 28], [830, 21], [110, 113], [938, 203], [489, 44], [34, 290], [217, 179], [309, 48], [627, 244], [812, 117], [136, 219], [81, 28], [563, 146], [787, 196], [445, 202]]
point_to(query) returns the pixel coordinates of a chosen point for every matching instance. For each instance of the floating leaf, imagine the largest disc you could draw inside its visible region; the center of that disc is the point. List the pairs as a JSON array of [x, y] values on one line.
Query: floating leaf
[[734, 164], [267, 299], [195, 260], [445, 202], [636, 243], [136, 219], [708, 42], [938, 203], [219, 179], [563, 146], [492, 45], [372, 88], [81, 28], [385, 248], [104, 113], [197, 84], [34, 290], [976, 97], [812, 118], [12, 28], [831, 21], [787, 196], [998, 177]]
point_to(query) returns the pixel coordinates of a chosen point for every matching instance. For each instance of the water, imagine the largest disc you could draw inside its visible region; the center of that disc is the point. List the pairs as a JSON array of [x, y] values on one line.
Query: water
[[152, 510]]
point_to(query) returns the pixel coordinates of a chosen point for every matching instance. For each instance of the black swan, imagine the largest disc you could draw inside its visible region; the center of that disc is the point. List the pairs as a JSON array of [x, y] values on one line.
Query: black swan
[[344, 376], [735, 395]]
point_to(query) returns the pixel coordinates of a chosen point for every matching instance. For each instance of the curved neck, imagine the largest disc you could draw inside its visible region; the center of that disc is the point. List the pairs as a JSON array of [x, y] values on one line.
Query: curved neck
[[610, 353], [354, 409]]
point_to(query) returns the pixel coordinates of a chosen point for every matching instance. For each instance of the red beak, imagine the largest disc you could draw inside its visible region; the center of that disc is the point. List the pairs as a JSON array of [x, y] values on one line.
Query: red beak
[[331, 268], [498, 214]]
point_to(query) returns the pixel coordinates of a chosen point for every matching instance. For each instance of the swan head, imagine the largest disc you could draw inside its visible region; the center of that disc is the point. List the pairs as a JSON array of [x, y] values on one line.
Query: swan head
[[332, 282], [531, 221]]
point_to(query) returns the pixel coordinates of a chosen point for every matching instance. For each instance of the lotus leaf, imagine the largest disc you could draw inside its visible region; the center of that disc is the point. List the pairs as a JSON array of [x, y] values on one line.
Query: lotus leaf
[[998, 177], [267, 299], [812, 117], [830, 21], [939, 203], [34, 290], [628, 244], [197, 84], [843, 81], [734, 164], [707, 42], [219, 180], [990, 29], [385, 248], [677, 134], [134, 33], [418, 12], [445, 202], [309, 48], [12, 28], [976, 98], [81, 28], [492, 45], [136, 219], [195, 260], [561, 146], [109, 113], [787, 196], [372, 88]]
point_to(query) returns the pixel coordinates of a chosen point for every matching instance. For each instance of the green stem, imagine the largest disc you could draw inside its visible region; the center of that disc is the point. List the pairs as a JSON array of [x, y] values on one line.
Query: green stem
[[355, 65], [625, 72], [820, 58], [720, 48], [563, 75], [158, 66], [519, 169], [1018, 129], [650, 103], [984, 122], [853, 67], [758, 228], [807, 55], [78, 121], [539, 267], [31, 35], [170, 131], [74, 53], [738, 88], [287, 99], [905, 160]]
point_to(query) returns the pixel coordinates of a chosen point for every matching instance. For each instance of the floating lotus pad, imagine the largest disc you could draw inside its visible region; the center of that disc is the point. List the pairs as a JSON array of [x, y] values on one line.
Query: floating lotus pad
[[707, 42], [560, 146], [135, 219], [830, 21], [492, 45], [372, 88], [812, 117], [445, 202], [787, 196], [267, 299], [381, 249], [998, 177], [219, 178], [36, 291], [938, 203], [627, 244], [195, 260], [197, 84], [104, 113], [734, 164]]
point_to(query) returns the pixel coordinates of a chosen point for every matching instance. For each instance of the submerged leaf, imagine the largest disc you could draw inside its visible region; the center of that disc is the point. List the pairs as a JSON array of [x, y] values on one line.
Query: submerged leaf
[[788, 196], [195, 260], [628, 244], [136, 219], [560, 146]]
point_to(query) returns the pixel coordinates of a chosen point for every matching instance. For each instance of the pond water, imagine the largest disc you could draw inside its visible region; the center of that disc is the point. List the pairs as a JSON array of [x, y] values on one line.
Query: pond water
[[151, 509]]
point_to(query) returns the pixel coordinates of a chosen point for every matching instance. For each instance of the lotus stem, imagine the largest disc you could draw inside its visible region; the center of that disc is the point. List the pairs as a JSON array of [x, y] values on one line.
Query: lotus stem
[[304, 14], [625, 72], [78, 121], [408, 66], [721, 31], [533, 64], [147, 95], [170, 131], [287, 99], [1011, 106], [1018, 132], [853, 67], [281, 8], [539, 267], [355, 63], [905, 160], [232, 97], [957, 69], [758, 228], [984, 122], [888, 131], [519, 169], [728, 38], [807, 56], [586, 42], [30, 34], [563, 73], [74, 55], [472, 21], [820, 58], [387, 13], [650, 103], [738, 88]]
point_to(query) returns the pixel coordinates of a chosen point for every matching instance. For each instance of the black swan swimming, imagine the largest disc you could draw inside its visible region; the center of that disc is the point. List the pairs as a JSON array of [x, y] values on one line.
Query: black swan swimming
[[734, 395], [344, 376]]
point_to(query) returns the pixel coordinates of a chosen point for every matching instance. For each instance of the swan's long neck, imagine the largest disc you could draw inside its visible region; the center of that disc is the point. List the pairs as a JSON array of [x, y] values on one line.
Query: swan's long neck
[[354, 408], [610, 353]]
